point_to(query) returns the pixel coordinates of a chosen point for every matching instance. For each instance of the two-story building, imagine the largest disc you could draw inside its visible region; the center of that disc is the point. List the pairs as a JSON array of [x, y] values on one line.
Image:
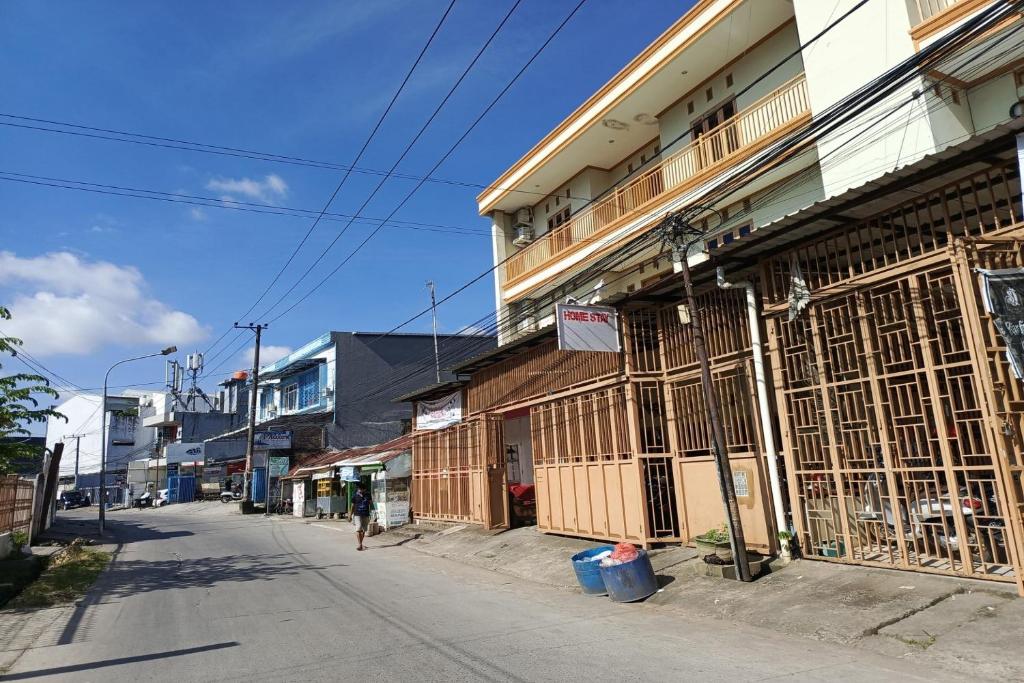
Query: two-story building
[[830, 157]]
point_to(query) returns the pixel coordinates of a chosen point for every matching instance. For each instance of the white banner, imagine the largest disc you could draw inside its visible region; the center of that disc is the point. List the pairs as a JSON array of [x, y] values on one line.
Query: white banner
[[184, 452], [587, 328], [272, 438], [439, 413]]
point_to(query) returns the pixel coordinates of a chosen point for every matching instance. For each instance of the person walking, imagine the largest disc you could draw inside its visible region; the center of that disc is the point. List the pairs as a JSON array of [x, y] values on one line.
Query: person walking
[[362, 506]]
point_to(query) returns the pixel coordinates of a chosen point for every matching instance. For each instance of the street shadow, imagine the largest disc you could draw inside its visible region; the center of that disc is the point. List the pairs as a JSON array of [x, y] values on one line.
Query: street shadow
[[73, 668], [396, 544]]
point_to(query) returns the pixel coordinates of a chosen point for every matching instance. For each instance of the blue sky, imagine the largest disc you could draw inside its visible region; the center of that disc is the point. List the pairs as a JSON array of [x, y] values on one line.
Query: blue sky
[[94, 278]]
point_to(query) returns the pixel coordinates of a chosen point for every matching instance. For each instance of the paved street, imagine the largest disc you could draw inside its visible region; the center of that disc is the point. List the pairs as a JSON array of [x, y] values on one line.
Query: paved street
[[208, 595]]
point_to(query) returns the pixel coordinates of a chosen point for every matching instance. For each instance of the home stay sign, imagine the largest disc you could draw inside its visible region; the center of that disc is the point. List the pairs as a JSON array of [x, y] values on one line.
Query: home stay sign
[[587, 328]]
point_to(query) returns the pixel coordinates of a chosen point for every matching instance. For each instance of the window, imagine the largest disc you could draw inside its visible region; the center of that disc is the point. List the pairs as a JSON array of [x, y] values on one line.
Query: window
[[728, 80], [689, 107], [710, 94], [567, 195], [290, 397], [629, 168]]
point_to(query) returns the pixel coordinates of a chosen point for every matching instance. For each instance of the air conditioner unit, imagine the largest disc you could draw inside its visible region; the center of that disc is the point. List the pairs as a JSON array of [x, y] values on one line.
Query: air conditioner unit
[[524, 235], [525, 316], [524, 217], [272, 411]]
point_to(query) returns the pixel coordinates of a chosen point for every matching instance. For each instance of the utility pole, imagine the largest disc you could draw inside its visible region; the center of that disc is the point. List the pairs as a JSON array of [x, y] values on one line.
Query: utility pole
[[78, 444], [433, 312], [680, 234], [251, 439]]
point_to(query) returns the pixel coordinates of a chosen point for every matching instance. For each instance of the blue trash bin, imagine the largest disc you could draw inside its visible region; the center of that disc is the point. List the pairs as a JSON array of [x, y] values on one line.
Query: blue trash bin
[[631, 581], [588, 573]]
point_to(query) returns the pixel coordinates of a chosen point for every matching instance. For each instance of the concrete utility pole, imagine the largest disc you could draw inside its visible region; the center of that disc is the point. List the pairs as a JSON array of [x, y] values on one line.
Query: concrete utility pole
[[251, 439], [680, 234], [78, 444], [433, 312]]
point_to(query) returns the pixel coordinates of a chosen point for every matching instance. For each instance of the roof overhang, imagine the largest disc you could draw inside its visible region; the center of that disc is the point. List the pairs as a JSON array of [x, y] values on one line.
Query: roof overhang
[[292, 368], [499, 354], [996, 145], [430, 391], [709, 36]]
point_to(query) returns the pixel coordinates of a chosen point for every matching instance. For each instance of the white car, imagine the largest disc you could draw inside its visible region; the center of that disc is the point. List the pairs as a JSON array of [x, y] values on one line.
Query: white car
[[161, 498]]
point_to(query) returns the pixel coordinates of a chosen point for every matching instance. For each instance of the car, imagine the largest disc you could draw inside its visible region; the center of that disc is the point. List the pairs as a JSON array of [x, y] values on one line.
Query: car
[[162, 498], [73, 499]]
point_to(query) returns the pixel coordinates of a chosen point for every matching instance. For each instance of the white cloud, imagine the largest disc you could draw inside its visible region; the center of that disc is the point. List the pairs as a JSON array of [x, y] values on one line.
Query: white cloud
[[197, 214], [64, 304], [269, 190], [268, 354]]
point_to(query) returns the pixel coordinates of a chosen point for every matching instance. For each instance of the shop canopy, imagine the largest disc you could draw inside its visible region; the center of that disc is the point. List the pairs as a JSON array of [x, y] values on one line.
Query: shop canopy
[[379, 454]]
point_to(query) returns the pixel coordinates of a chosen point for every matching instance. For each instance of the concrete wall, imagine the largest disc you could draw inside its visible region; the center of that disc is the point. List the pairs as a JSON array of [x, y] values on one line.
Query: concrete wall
[[83, 413], [864, 45], [676, 121]]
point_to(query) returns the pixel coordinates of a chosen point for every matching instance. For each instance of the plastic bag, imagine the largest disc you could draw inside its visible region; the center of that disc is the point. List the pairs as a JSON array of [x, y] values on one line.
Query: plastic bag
[[600, 556], [623, 553]]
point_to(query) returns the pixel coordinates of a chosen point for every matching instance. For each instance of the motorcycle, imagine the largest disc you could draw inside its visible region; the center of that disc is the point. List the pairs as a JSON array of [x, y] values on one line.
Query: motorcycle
[[230, 496]]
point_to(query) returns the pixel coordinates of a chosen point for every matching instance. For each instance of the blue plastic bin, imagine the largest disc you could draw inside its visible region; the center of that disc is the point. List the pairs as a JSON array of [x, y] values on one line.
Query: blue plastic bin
[[631, 581], [588, 573]]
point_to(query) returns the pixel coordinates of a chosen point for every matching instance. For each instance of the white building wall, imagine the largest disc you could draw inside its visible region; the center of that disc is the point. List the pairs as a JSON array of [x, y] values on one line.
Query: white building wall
[[83, 413], [864, 45]]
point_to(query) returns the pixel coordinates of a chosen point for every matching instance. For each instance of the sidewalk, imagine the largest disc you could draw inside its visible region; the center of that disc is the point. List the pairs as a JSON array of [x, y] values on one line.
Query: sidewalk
[[972, 627], [24, 629]]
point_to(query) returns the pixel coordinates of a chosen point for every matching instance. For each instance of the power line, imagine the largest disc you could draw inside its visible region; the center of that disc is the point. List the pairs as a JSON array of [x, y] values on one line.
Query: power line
[[437, 165], [218, 203], [362, 150], [408, 148]]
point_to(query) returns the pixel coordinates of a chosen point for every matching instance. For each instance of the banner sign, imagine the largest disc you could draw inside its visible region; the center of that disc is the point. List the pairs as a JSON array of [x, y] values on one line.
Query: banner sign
[[1003, 294], [587, 328], [348, 474], [278, 465], [439, 413], [326, 474], [185, 452], [273, 438]]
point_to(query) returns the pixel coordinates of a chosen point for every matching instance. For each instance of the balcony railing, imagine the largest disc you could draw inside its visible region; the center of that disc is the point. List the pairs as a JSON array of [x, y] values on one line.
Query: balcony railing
[[926, 9], [737, 137]]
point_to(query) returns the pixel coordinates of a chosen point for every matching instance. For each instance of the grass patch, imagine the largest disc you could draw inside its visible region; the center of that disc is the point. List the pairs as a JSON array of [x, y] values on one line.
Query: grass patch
[[66, 578]]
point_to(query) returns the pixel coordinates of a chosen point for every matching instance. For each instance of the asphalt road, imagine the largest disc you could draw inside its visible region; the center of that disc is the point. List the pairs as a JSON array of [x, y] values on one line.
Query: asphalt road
[[205, 595]]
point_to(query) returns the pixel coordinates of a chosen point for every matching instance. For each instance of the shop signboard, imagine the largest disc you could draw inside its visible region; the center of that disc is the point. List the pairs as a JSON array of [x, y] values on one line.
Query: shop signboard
[[1003, 293], [269, 439], [184, 452], [587, 328], [326, 474], [348, 474], [439, 413], [278, 465]]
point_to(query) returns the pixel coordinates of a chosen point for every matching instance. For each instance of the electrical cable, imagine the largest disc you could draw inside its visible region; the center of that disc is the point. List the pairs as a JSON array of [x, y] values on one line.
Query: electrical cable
[[437, 165]]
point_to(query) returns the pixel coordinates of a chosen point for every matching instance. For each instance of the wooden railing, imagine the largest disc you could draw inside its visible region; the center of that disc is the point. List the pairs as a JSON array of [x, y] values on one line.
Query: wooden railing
[[724, 144], [926, 9]]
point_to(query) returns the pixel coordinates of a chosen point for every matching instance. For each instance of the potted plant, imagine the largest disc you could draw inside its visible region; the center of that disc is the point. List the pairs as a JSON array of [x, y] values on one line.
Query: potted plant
[[786, 546], [715, 542], [19, 539]]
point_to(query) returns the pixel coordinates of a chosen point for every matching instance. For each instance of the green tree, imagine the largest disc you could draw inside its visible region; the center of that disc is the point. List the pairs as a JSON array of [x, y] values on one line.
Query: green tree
[[19, 406]]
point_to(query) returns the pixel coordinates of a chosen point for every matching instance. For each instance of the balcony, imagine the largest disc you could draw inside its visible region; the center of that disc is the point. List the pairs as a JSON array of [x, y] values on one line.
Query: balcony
[[923, 10], [738, 138]]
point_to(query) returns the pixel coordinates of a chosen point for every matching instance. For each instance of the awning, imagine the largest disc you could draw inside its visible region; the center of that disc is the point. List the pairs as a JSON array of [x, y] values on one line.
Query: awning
[[292, 368]]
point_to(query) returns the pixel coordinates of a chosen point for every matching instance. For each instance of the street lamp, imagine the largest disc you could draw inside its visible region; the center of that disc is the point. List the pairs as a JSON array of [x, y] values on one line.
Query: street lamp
[[103, 430]]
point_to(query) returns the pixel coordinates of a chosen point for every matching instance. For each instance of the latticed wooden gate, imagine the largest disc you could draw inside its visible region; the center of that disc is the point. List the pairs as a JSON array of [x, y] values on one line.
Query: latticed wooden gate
[[458, 473], [902, 426]]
